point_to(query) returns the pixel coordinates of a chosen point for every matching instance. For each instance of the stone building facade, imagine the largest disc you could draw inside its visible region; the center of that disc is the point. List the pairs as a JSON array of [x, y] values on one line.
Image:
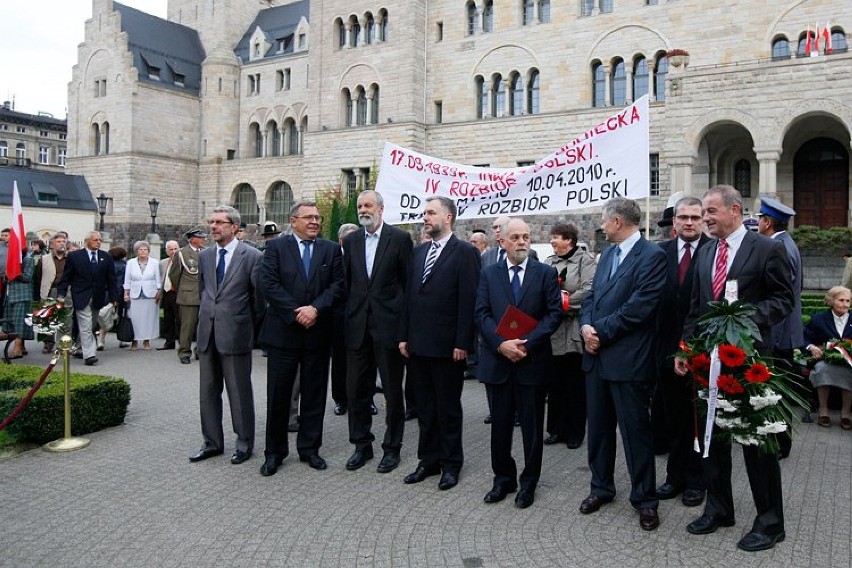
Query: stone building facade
[[260, 104], [37, 141]]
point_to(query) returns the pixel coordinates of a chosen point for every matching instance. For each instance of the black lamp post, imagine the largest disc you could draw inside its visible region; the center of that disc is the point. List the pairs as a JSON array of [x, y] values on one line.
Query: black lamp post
[[154, 205], [103, 201]]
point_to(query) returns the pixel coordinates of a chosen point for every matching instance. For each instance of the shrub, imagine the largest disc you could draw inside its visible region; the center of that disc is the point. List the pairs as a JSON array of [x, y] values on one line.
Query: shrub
[[814, 241], [97, 402]]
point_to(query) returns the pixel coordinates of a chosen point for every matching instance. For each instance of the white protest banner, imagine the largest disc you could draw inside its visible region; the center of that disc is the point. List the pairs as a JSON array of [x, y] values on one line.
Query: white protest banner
[[608, 160]]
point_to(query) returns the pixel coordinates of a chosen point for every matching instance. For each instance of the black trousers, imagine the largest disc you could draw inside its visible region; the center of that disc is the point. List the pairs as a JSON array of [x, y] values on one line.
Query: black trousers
[[528, 402], [566, 398], [361, 366], [438, 383], [171, 317], [683, 468], [338, 368], [282, 366]]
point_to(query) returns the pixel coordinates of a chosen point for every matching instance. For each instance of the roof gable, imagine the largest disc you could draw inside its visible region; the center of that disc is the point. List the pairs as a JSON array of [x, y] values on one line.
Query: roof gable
[[278, 25]]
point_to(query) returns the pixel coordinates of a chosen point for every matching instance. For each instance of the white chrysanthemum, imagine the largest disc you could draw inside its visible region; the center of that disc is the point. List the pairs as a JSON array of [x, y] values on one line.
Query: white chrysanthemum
[[746, 440], [771, 428], [769, 398], [726, 405], [729, 423]]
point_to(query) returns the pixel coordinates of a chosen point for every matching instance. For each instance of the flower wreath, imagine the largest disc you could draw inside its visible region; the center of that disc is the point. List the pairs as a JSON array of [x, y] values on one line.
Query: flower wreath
[[49, 317]]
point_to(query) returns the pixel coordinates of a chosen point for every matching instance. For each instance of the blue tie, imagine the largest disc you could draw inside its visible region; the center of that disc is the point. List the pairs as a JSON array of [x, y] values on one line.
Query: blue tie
[[93, 261], [220, 267], [616, 255], [306, 257], [516, 283], [430, 260]]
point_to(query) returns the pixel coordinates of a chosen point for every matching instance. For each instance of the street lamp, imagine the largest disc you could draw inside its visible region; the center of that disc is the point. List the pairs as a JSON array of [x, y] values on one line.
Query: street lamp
[[103, 201], [154, 205]]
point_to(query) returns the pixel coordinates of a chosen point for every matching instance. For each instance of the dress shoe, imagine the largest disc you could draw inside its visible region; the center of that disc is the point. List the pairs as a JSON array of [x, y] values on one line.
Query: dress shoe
[[707, 524], [90, 361], [668, 491], [499, 492], [754, 541], [205, 453], [410, 414], [574, 444], [270, 465], [359, 458], [374, 409], [648, 519], [240, 457], [552, 439], [487, 420], [846, 423], [524, 498], [421, 473], [314, 460], [448, 480], [592, 503], [824, 421], [390, 461], [692, 497], [166, 347], [340, 409], [78, 355], [184, 359]]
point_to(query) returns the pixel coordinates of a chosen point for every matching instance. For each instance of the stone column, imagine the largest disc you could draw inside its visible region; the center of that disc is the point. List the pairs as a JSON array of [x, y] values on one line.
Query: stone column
[[354, 109], [628, 84], [607, 85], [767, 180], [264, 141], [348, 27], [681, 173], [651, 82], [367, 119]]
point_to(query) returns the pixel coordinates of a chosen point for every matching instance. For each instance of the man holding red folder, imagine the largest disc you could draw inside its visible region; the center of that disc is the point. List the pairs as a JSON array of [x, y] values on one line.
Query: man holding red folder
[[518, 307]]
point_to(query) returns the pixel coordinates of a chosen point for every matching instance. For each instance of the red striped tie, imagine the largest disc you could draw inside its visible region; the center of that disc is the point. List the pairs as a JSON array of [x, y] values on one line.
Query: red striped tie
[[720, 274]]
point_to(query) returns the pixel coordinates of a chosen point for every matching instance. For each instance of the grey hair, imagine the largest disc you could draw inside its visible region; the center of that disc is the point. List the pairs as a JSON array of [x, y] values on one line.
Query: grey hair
[[233, 214], [380, 201], [139, 244], [345, 229], [627, 209], [294, 210], [177, 244], [730, 195]]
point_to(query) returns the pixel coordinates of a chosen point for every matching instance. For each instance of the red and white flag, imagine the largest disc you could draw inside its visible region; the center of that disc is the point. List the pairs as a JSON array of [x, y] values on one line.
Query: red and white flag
[[808, 43], [17, 236], [816, 38], [826, 36]]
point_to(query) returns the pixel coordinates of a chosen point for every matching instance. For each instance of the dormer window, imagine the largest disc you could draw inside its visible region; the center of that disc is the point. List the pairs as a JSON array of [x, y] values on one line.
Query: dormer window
[[257, 50]]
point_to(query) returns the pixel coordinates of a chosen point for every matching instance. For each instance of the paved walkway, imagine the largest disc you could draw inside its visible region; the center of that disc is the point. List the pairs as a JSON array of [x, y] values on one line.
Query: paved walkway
[[133, 499]]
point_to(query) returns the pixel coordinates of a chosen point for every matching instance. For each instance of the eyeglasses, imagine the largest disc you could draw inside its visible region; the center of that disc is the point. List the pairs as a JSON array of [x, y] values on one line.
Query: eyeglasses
[[317, 218], [685, 218]]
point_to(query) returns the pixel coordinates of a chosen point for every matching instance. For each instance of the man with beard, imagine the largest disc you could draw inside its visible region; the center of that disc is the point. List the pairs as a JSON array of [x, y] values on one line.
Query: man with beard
[[437, 334], [376, 267]]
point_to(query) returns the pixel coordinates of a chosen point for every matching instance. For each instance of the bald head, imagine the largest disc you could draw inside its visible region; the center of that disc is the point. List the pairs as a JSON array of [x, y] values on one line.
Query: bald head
[[516, 240]]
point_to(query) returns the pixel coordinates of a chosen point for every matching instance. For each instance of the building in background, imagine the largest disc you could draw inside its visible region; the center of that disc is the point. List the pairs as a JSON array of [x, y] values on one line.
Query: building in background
[[36, 141]]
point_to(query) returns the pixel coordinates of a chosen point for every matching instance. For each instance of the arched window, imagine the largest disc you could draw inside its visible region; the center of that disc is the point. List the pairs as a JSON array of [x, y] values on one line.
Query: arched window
[[340, 27], [742, 177], [383, 25], [532, 94], [586, 7], [605, 6], [279, 200], [303, 127], [273, 135], [618, 92], [355, 31], [291, 137], [544, 11], [481, 97], [838, 40], [20, 151], [245, 201], [488, 16], [640, 78], [370, 31], [346, 101], [362, 106], [528, 11], [803, 43], [780, 48], [4, 149], [516, 95], [96, 140], [660, 74], [470, 8], [256, 139], [105, 132], [374, 107], [498, 96], [598, 85]]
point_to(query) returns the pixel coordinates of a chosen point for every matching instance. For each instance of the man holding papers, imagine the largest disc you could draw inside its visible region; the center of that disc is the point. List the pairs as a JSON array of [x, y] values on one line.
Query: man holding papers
[[518, 307]]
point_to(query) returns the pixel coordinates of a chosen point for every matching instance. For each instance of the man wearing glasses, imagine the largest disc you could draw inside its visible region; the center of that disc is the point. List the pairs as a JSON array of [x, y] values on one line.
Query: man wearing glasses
[[302, 281]]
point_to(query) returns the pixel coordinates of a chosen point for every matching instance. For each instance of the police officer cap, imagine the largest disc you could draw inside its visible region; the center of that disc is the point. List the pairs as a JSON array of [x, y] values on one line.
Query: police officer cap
[[775, 209], [270, 228], [196, 232]]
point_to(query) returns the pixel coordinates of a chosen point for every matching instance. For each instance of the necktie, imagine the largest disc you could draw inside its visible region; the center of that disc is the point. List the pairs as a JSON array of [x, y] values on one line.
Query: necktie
[[220, 267], [720, 274], [501, 255], [683, 266], [306, 257], [616, 255], [93, 261], [430, 260], [516, 283]]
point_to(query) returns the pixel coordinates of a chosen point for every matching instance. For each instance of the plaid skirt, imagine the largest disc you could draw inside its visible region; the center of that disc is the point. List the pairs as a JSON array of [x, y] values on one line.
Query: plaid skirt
[[15, 312]]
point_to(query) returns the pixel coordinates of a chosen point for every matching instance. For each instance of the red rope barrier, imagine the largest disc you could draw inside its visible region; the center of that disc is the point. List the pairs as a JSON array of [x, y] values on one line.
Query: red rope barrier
[[26, 400]]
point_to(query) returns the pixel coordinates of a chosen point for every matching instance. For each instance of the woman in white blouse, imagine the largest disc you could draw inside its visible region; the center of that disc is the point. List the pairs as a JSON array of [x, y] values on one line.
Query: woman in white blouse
[[142, 293]]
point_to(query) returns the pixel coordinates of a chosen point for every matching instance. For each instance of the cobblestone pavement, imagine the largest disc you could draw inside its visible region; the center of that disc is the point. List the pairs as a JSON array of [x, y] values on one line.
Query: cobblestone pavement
[[133, 499]]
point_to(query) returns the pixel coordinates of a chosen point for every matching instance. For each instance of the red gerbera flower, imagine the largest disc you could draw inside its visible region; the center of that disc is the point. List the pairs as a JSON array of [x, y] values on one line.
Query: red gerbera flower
[[700, 364], [730, 385], [701, 381], [731, 355], [758, 373]]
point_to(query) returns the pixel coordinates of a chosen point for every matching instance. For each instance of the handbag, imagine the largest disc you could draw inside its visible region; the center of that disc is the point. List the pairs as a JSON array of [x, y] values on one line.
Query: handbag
[[124, 328], [108, 317]]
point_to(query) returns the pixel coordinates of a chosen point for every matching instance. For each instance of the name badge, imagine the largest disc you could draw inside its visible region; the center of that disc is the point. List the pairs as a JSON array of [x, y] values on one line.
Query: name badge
[[731, 291]]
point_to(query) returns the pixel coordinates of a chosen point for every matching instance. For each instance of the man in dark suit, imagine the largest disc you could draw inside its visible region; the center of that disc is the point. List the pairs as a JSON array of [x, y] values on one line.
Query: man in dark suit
[[302, 280], [229, 309], [90, 272], [338, 341], [376, 265], [758, 267], [683, 468], [618, 322], [516, 371], [436, 335]]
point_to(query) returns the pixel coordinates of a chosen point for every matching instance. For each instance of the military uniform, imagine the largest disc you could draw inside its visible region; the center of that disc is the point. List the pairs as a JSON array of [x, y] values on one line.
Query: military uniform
[[183, 275]]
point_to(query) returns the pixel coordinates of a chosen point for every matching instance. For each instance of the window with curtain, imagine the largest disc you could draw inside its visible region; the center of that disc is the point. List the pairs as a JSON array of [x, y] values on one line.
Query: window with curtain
[[279, 200]]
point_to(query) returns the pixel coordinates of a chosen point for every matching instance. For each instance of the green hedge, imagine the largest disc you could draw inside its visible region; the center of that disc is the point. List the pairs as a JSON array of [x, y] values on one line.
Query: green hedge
[[97, 402], [813, 241]]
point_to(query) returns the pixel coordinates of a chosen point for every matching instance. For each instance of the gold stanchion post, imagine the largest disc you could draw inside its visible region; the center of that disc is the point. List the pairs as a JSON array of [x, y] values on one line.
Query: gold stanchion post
[[68, 443]]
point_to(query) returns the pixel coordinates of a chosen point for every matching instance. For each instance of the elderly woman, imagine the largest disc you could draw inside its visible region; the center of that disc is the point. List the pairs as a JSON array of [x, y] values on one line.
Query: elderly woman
[[19, 299], [826, 326], [142, 292], [566, 401]]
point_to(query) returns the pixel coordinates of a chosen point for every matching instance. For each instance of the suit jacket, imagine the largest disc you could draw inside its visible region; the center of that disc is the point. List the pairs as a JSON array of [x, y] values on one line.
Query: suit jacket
[[676, 300], [228, 312], [540, 299], [787, 334], [86, 284], [624, 310], [821, 329], [439, 312], [762, 272], [382, 293], [285, 288], [137, 281], [183, 274]]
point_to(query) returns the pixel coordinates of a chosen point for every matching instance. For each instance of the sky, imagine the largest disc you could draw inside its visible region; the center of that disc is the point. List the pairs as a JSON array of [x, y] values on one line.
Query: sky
[[39, 48]]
